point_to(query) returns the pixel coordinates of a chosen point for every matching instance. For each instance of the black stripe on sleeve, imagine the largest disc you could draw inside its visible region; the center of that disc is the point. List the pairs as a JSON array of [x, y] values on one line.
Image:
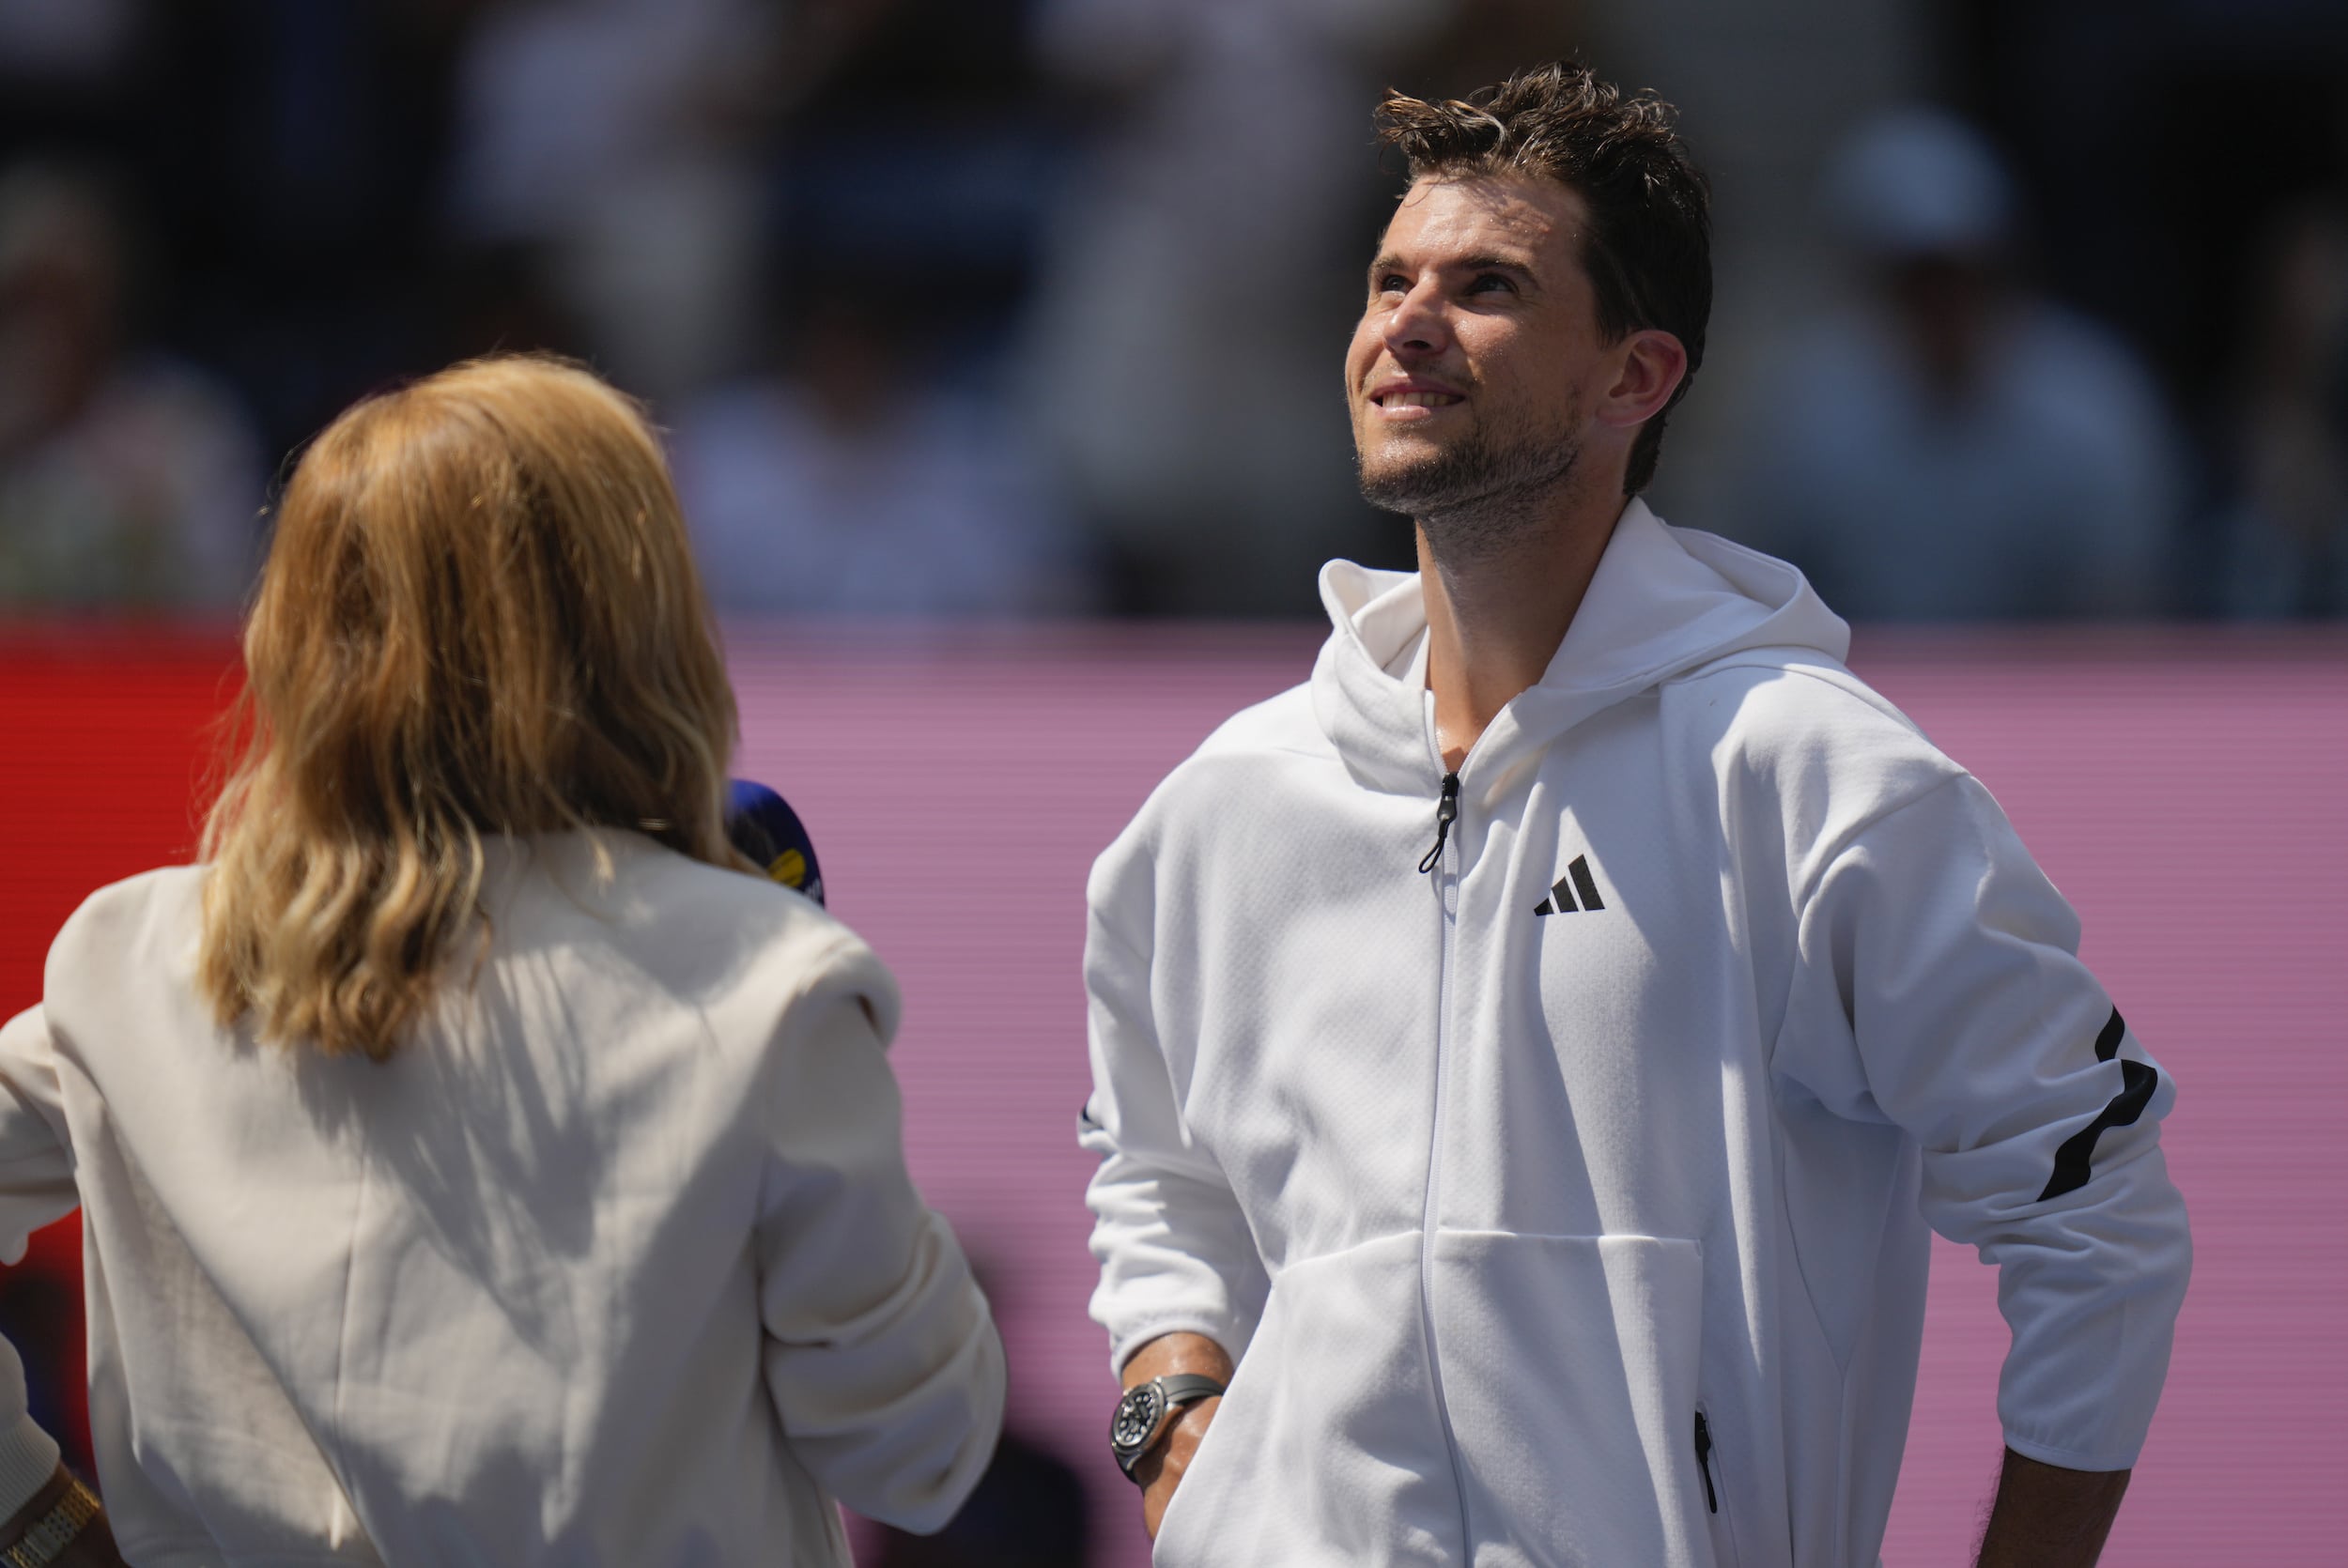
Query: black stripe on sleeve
[[2138, 1081], [2107, 1044]]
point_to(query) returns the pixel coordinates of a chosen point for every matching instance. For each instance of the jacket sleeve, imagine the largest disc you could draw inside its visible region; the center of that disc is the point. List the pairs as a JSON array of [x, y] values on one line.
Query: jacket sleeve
[[881, 1357], [1937, 988], [1175, 1250], [36, 1187]]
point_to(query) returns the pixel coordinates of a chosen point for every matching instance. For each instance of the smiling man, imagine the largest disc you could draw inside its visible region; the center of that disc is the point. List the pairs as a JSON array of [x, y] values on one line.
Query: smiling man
[[1528, 1056]]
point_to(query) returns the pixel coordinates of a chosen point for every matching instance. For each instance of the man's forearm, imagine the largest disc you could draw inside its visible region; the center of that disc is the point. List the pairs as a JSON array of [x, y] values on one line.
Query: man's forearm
[[1171, 1355], [2048, 1517]]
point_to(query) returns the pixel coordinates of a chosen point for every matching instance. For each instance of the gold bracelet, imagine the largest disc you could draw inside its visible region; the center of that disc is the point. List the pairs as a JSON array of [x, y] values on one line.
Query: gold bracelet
[[50, 1534]]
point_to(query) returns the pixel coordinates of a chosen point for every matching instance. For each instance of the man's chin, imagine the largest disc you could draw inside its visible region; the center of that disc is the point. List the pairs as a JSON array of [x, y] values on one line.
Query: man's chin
[[1409, 485], [1406, 446], [1424, 478]]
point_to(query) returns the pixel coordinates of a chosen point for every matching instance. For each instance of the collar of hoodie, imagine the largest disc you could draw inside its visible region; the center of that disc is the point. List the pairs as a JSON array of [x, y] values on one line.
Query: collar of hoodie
[[1664, 601]]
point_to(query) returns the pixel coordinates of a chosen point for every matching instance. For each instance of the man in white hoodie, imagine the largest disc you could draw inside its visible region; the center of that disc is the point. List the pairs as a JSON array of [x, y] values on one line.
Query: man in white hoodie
[[1527, 1057]]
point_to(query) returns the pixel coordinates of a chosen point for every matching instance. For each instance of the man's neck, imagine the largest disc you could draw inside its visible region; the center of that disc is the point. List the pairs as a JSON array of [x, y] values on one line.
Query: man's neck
[[1495, 620]]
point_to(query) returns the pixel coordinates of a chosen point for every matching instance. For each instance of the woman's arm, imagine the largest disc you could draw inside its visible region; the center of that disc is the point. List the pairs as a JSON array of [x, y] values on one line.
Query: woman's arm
[[881, 1357], [45, 1512]]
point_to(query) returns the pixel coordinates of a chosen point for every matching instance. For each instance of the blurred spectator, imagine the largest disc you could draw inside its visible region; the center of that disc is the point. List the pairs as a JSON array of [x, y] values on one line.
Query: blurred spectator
[[857, 483], [920, 131], [1952, 446], [281, 162], [68, 72], [621, 139], [127, 479], [2284, 538], [1204, 273], [62, 49]]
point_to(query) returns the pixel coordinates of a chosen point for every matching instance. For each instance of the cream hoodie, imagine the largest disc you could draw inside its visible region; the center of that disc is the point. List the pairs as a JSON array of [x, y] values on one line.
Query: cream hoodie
[[616, 1262], [1567, 1203]]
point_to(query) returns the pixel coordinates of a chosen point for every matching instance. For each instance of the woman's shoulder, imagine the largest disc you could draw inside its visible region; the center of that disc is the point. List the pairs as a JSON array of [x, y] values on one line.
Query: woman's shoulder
[[123, 965], [121, 924], [722, 935]]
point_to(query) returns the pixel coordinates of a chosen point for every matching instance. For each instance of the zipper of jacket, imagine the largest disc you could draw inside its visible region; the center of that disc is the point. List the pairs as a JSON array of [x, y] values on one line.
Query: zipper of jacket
[[1447, 895], [1447, 812]]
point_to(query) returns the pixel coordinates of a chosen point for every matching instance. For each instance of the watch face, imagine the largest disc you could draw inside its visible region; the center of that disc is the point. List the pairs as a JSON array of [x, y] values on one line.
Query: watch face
[[1136, 1417]]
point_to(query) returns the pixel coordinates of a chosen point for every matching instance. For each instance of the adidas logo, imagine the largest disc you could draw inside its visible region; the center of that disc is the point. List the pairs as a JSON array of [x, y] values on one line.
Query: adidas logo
[[1576, 880]]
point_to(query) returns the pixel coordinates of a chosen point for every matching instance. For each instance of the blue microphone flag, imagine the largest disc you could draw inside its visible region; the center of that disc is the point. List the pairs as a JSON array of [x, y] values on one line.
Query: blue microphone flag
[[764, 827]]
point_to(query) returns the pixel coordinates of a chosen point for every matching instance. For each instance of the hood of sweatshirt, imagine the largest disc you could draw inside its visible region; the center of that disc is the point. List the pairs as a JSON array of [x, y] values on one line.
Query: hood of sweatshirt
[[1664, 601]]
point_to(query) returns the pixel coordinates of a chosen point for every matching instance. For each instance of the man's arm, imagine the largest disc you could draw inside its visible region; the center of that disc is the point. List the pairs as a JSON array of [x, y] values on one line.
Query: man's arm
[[1161, 1470], [1940, 990], [1182, 1284], [2048, 1517]]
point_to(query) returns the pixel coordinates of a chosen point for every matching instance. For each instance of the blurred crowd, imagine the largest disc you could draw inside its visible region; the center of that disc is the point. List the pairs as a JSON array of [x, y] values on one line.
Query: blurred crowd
[[1015, 308]]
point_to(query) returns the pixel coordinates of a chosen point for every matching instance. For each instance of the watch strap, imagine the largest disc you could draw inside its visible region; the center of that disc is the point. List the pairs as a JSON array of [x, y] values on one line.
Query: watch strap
[[1188, 1387], [46, 1538]]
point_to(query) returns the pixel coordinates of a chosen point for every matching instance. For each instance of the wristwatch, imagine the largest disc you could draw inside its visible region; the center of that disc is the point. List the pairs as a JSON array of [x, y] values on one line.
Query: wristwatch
[[1146, 1411]]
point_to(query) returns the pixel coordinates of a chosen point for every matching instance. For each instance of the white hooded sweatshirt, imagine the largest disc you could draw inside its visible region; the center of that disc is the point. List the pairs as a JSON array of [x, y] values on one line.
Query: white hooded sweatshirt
[[1566, 1204]]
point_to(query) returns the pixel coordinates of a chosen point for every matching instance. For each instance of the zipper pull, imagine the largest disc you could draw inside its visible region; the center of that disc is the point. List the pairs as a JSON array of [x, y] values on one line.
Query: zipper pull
[[1704, 1462], [1447, 812]]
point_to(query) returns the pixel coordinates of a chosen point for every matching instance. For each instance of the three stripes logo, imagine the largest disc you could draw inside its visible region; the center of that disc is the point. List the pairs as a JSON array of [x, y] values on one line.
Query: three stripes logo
[[1577, 879]]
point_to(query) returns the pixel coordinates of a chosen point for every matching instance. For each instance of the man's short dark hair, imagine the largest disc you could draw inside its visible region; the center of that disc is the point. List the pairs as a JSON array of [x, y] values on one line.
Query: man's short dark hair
[[1648, 252]]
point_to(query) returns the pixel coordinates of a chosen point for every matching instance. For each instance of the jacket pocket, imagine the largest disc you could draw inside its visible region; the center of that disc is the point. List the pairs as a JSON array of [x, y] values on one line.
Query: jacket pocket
[[1568, 1368], [1323, 1453]]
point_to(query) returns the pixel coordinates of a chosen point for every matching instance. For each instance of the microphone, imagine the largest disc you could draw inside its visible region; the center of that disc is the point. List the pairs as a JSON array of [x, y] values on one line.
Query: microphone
[[763, 826]]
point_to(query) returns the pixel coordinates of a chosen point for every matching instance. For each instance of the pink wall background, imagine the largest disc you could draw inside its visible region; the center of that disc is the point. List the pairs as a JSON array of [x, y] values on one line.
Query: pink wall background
[[2183, 792]]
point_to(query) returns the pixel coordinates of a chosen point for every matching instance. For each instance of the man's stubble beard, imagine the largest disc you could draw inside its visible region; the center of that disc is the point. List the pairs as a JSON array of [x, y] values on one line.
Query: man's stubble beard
[[1480, 499]]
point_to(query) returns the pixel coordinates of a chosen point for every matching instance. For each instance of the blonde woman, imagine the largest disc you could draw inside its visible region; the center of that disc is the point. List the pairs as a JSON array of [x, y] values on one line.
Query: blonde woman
[[476, 1166]]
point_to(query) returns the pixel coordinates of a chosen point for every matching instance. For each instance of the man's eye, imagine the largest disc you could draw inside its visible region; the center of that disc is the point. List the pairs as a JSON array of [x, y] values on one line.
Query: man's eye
[[1486, 282], [1392, 282]]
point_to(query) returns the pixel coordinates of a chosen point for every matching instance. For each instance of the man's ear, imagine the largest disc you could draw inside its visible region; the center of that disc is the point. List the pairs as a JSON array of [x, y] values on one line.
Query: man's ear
[[1648, 367]]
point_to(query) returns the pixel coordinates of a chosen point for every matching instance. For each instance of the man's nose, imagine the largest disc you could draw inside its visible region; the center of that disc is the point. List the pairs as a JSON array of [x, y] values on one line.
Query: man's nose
[[1418, 325]]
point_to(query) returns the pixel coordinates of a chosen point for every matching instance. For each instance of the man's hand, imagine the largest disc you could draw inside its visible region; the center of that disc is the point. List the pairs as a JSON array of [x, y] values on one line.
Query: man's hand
[[1161, 1469], [93, 1546], [2048, 1517]]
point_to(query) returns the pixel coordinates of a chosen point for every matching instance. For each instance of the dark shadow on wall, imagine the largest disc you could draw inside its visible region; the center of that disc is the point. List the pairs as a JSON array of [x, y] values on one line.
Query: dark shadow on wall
[[1030, 1511]]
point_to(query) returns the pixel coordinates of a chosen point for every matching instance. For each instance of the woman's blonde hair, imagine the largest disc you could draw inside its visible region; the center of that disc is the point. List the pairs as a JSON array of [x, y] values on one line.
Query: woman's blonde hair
[[480, 616]]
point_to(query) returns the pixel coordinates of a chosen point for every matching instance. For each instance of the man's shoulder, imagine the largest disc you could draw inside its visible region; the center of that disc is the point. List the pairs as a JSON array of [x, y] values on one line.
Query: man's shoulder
[[1277, 732], [1280, 725], [1239, 759], [1788, 687], [1779, 713]]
